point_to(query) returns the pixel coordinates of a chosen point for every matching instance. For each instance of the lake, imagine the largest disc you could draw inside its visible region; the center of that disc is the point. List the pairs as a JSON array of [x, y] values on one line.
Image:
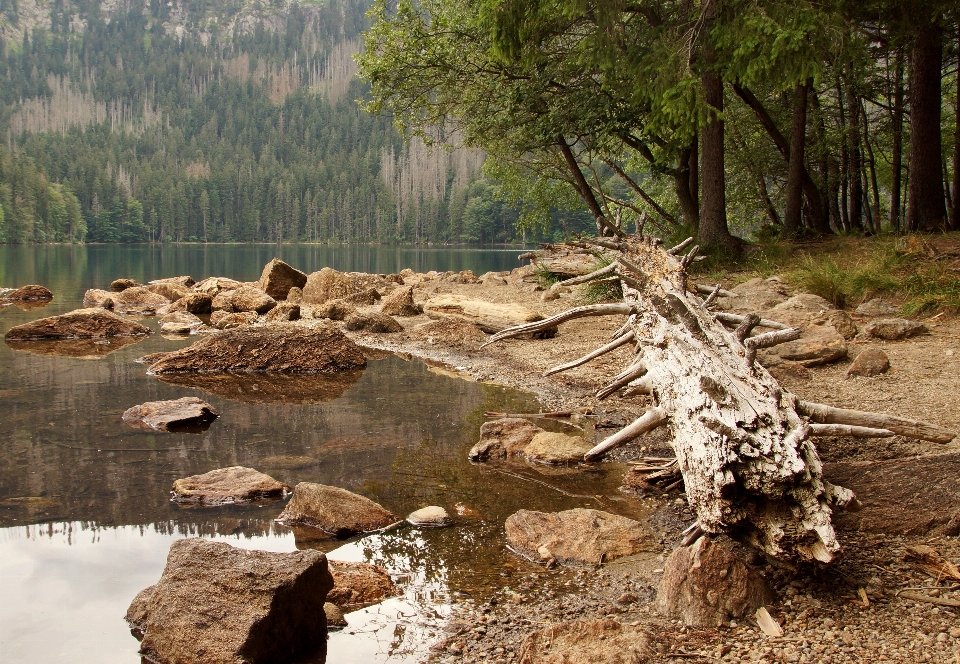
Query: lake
[[85, 516]]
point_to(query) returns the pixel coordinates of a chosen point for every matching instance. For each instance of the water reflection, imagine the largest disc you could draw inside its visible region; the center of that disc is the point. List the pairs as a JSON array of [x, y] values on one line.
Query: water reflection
[[269, 388], [83, 349]]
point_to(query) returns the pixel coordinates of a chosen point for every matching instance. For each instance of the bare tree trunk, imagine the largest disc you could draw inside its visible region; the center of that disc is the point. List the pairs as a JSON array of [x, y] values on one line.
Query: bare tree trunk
[[955, 208], [604, 227], [682, 179], [925, 208], [896, 184], [791, 217], [694, 164], [844, 161], [855, 214]]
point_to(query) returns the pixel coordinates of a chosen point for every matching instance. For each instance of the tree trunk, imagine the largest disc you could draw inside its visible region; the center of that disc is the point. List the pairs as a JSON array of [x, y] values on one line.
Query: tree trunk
[[713, 232], [844, 161], [682, 178], [955, 208], [854, 183], [896, 184], [604, 227], [694, 164], [791, 217], [925, 209]]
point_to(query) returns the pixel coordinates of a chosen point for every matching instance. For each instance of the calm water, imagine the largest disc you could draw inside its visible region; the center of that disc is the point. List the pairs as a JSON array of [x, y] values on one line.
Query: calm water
[[85, 516]]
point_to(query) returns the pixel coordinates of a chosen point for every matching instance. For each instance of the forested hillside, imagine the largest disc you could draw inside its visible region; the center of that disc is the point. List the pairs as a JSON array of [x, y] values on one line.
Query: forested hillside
[[203, 121]]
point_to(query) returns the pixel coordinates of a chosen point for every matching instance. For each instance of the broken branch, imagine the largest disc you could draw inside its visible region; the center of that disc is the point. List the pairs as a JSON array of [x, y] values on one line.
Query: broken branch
[[620, 308], [646, 422], [616, 343], [848, 430], [902, 426]]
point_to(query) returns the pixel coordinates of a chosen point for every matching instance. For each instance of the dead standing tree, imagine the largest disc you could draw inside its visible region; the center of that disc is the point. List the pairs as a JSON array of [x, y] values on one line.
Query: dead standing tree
[[742, 441]]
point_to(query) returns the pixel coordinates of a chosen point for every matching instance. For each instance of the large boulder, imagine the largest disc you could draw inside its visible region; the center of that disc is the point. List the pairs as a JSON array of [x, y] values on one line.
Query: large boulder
[[98, 299], [251, 298], [577, 537], [213, 286], [79, 324], [491, 317], [172, 292], [192, 303], [271, 348], [217, 604], [137, 299], [894, 329], [31, 292], [372, 322], [173, 415], [705, 585], [503, 438], [329, 284], [600, 641], [356, 585], [335, 512], [278, 278], [400, 303], [228, 486]]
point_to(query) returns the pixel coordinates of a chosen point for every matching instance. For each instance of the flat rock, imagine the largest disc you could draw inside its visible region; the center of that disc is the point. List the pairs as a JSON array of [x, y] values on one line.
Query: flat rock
[[556, 448], [173, 415], [251, 298], [449, 331], [893, 329], [877, 307], [172, 292], [278, 278], [705, 585], [218, 604], [577, 537], [271, 348], [213, 286], [356, 585], [429, 517], [98, 299], [185, 281], [120, 285], [755, 295], [289, 462], [491, 317], [284, 312], [334, 511], [819, 344], [329, 284], [138, 299], [231, 321], [503, 438], [179, 322], [79, 324], [602, 641], [400, 303], [228, 486], [870, 362], [372, 322], [31, 292], [266, 387], [335, 619], [335, 310], [915, 497]]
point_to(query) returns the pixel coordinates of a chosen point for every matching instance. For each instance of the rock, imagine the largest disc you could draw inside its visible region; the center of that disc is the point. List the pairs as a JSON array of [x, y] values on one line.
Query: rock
[[503, 438], [138, 299], [429, 517], [251, 298], [278, 278], [228, 486], [577, 537], [492, 279], [372, 322], [755, 295], [228, 321], [179, 322], [120, 285], [271, 348], [31, 292], [877, 307], [85, 349], [79, 324], [356, 585], [213, 286], [449, 331], [184, 281], [556, 448], [819, 344], [894, 329], [222, 301], [328, 284], [366, 296], [194, 303], [289, 462], [218, 604], [916, 497], [294, 295], [787, 370], [336, 512], [172, 292], [705, 585], [284, 312], [335, 310], [99, 299], [870, 362], [801, 310], [267, 387], [842, 323], [335, 619], [174, 415], [490, 317], [601, 641], [400, 303]]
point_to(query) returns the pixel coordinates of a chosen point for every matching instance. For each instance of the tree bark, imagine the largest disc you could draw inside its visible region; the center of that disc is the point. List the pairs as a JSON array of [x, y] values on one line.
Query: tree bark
[[955, 208], [925, 208], [604, 226], [844, 160], [794, 209], [682, 187], [896, 183], [855, 163]]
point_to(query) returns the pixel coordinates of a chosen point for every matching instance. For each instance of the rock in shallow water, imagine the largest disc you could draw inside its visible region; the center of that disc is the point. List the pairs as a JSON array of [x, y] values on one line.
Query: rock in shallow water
[[429, 517], [217, 604], [79, 324], [503, 438], [31, 292], [333, 511], [278, 278], [173, 415], [228, 486], [356, 585], [335, 619]]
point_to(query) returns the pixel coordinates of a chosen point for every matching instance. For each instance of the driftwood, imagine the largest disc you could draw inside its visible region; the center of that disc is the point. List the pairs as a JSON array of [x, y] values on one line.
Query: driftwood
[[742, 442]]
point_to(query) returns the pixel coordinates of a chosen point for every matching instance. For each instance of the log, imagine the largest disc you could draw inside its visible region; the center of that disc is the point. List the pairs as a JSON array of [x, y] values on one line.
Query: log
[[646, 422], [707, 290], [736, 319], [577, 312], [902, 426], [847, 430], [573, 281], [603, 350], [491, 317]]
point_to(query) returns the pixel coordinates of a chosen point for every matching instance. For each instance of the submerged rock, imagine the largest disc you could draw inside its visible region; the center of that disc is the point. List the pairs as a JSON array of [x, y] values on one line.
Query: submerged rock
[[228, 486], [870, 362], [173, 415], [218, 604], [706, 585], [31, 292], [84, 349], [79, 324], [503, 438], [577, 537], [99, 299], [356, 585], [429, 517], [372, 322], [278, 278], [334, 511], [400, 303], [266, 387], [894, 329], [602, 641], [271, 348]]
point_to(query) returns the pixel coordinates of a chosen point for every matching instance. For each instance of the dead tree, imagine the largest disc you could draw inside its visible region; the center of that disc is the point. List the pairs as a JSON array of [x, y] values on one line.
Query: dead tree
[[742, 442]]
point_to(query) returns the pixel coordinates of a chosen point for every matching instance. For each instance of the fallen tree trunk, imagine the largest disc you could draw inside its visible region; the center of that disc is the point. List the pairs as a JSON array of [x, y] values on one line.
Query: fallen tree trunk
[[742, 441]]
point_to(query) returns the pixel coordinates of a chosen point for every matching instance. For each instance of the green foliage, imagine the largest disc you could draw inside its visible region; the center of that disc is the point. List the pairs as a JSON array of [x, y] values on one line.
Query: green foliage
[[595, 292]]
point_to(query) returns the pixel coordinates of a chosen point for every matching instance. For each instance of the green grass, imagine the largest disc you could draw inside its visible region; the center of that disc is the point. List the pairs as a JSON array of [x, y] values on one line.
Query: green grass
[[594, 292]]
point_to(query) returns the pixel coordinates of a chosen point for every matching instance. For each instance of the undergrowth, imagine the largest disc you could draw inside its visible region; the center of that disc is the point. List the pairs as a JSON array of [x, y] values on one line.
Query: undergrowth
[[595, 292]]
